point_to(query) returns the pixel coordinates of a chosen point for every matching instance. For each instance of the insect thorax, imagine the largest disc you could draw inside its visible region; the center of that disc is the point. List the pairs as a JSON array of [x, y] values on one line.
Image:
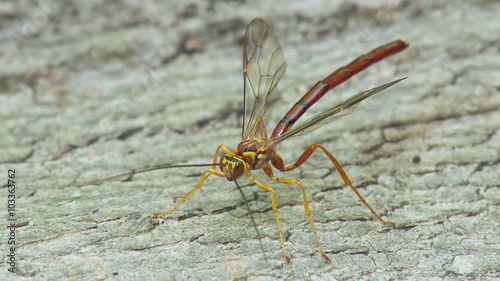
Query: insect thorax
[[249, 155], [252, 152]]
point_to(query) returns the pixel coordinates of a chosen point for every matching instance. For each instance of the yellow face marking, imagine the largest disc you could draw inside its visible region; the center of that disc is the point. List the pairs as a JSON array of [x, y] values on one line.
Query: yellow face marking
[[232, 167]]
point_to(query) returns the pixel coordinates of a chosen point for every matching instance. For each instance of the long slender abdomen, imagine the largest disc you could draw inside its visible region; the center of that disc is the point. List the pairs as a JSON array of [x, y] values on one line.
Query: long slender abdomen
[[337, 77]]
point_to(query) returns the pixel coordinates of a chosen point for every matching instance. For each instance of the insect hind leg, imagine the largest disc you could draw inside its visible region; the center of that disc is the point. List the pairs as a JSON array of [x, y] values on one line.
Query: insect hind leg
[[279, 164]]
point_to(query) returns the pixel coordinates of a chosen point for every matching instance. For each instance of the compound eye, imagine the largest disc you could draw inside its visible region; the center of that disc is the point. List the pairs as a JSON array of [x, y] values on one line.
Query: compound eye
[[232, 167], [238, 169]]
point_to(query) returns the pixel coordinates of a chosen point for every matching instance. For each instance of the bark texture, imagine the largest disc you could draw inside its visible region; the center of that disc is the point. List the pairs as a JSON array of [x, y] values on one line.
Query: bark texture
[[89, 89]]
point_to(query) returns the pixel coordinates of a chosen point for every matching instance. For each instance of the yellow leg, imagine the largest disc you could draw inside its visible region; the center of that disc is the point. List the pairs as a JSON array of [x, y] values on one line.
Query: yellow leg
[[278, 163], [307, 211], [196, 188], [203, 177], [274, 205], [216, 155]]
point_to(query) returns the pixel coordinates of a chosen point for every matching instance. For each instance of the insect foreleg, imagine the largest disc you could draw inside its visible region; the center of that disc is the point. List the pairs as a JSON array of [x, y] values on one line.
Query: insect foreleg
[[206, 174], [216, 155], [196, 188]]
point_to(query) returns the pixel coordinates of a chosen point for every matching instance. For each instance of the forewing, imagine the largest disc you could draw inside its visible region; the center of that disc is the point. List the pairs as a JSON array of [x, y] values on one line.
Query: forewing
[[331, 114], [263, 66]]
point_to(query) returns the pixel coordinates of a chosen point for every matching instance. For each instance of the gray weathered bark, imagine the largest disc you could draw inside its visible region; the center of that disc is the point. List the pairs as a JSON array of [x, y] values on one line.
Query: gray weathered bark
[[89, 90]]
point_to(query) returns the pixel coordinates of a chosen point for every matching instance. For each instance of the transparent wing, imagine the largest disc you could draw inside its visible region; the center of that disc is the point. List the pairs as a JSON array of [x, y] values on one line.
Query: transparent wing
[[263, 66], [331, 114]]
